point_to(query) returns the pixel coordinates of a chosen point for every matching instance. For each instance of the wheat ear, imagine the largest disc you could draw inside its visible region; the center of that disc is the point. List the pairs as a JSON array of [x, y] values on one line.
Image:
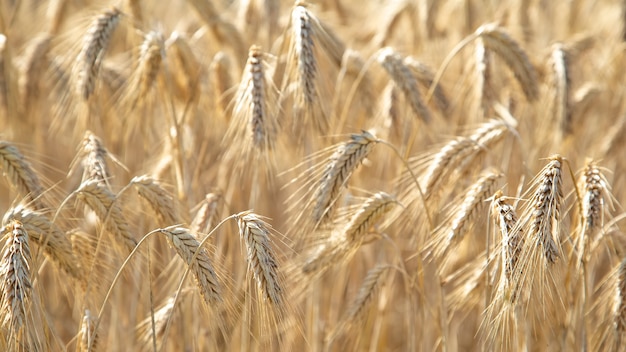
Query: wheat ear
[[161, 201], [32, 69], [94, 46], [398, 71], [151, 56], [208, 215], [186, 245], [595, 191], [619, 313], [88, 335], [20, 173], [261, 259], [498, 41], [16, 284], [45, 233], [102, 202], [561, 105], [342, 164]]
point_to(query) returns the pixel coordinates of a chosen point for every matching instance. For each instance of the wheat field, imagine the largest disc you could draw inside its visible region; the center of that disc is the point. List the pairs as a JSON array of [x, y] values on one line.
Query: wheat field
[[332, 175]]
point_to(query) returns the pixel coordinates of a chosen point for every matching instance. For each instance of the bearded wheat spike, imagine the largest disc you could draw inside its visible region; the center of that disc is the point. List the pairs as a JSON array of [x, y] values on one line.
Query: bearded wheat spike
[[497, 40], [161, 201], [32, 69], [94, 45], [161, 317], [20, 173], [483, 77], [426, 76], [393, 63], [15, 286], [261, 259], [93, 156], [208, 214], [186, 245], [462, 216], [595, 191], [546, 205], [102, 202], [342, 164], [151, 55], [40, 229], [344, 241], [512, 239]]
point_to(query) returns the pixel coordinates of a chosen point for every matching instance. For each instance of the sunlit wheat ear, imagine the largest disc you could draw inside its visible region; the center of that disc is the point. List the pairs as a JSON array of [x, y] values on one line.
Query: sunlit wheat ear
[[94, 46], [346, 158], [512, 242], [186, 245], [393, 64], [462, 216], [483, 76], [255, 233], [498, 41], [151, 56], [595, 193], [20, 173], [304, 64], [560, 89], [619, 310], [545, 211], [56, 246], [102, 202], [356, 312], [161, 201], [88, 336], [208, 215], [92, 155], [254, 125], [345, 240], [32, 69], [221, 82], [16, 285]]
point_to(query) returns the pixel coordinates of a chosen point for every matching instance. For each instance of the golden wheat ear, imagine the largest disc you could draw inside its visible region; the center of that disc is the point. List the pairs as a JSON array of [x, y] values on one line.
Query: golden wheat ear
[[15, 286], [94, 46]]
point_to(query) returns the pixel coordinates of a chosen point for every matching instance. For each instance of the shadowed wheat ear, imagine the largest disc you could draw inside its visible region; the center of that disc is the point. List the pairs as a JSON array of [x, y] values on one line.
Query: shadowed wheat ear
[[20, 173], [15, 275], [94, 46], [88, 337], [146, 334], [42, 231], [255, 233], [462, 216], [345, 240], [402, 76], [338, 170], [102, 202], [186, 245]]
